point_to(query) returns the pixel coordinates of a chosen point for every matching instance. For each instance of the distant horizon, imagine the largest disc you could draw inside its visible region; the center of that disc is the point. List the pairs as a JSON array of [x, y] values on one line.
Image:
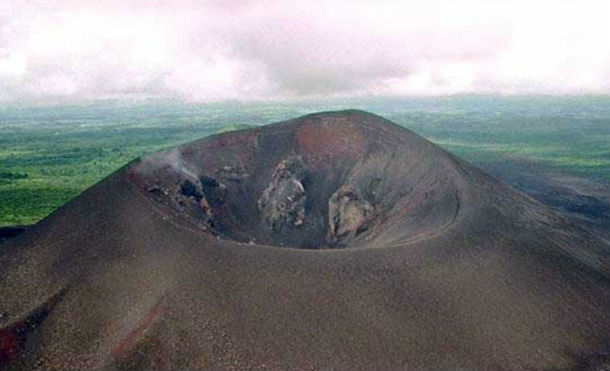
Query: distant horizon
[[69, 101]]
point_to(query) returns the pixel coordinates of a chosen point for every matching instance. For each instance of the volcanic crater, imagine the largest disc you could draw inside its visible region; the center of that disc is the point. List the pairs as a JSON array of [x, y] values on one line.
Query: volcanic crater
[[331, 183], [334, 241]]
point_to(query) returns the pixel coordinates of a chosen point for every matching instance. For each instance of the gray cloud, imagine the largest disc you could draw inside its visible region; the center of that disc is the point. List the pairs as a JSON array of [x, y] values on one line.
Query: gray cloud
[[258, 49]]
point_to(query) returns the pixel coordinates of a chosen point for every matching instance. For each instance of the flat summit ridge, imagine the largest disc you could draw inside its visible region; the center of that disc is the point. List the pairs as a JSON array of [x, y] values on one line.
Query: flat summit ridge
[[337, 240]]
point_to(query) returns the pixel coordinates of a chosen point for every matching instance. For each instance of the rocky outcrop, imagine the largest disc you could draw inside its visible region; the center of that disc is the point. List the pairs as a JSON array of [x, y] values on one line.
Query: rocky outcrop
[[213, 190], [199, 198], [349, 214], [282, 203]]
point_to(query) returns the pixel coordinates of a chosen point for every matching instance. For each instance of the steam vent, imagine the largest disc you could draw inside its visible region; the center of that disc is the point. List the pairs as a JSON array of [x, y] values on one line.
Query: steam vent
[[334, 241]]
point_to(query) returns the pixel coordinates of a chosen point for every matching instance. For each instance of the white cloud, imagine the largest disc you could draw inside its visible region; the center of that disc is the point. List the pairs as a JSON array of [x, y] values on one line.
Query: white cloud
[[269, 49]]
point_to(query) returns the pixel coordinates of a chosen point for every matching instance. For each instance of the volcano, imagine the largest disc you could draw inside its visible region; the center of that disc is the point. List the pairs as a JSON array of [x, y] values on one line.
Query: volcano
[[334, 241]]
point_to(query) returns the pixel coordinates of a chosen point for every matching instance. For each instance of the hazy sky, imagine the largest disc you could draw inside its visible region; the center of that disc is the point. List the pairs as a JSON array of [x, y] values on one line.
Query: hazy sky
[[215, 50]]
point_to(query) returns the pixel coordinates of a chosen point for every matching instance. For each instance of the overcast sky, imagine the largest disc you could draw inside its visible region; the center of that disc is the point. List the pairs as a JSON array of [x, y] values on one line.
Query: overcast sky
[[216, 50]]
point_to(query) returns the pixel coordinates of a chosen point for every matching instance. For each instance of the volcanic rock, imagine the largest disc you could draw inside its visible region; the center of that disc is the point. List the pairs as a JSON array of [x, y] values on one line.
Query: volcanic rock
[[282, 204], [348, 213]]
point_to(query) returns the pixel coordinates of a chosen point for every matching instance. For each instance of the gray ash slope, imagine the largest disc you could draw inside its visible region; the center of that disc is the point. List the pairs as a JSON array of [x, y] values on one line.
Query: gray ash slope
[[333, 241]]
